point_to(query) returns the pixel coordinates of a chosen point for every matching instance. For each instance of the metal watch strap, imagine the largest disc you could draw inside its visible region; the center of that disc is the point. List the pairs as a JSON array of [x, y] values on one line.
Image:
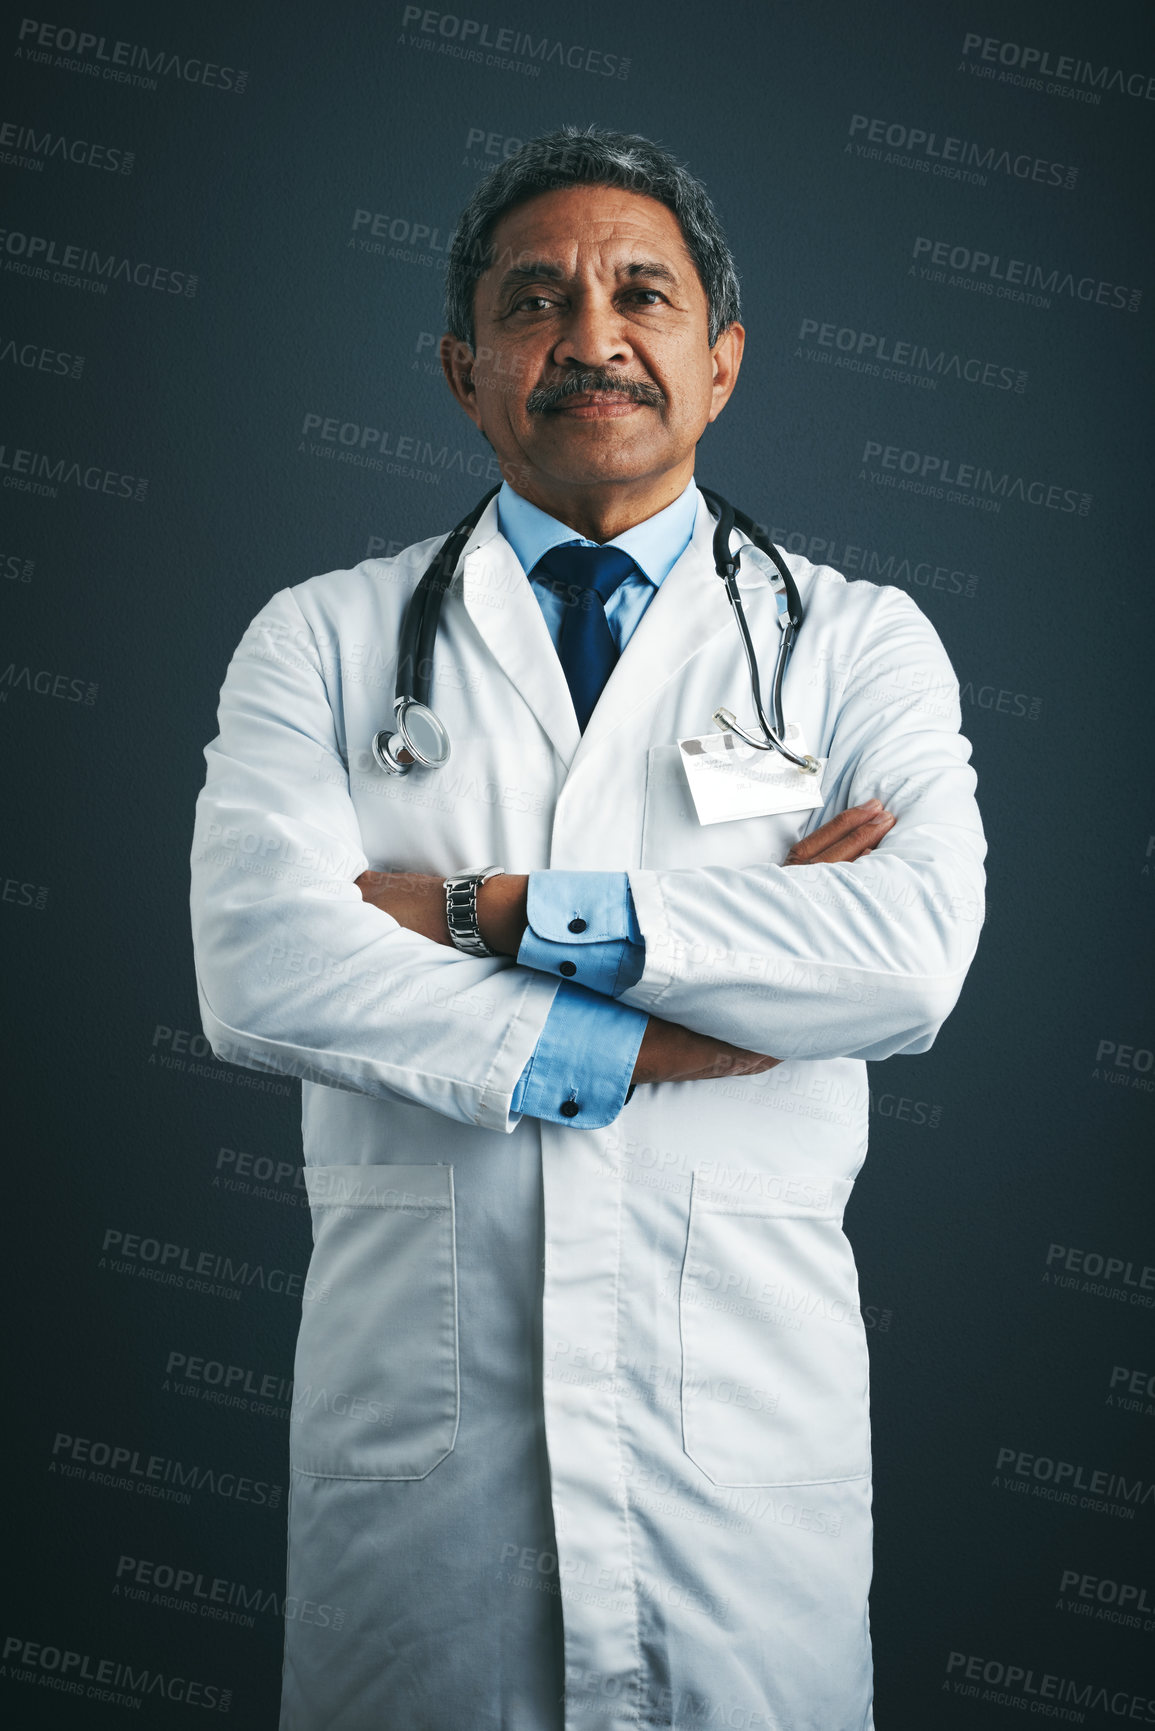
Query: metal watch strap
[[461, 910]]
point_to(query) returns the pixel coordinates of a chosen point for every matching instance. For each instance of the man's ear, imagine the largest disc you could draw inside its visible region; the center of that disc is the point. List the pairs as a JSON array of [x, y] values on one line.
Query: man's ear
[[727, 360], [457, 365]]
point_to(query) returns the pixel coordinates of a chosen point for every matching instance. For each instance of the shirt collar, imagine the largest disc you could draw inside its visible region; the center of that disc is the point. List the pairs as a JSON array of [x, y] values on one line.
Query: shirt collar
[[655, 546]]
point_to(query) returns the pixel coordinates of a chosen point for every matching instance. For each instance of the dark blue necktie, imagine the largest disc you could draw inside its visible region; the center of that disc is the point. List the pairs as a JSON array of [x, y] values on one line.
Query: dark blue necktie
[[583, 579]]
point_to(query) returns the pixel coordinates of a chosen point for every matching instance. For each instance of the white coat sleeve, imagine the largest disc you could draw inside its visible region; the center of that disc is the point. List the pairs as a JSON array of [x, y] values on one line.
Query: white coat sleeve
[[862, 960], [295, 972]]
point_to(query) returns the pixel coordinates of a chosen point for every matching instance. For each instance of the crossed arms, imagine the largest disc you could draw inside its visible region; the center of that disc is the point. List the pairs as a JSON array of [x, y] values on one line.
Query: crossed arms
[[669, 1052], [298, 973]]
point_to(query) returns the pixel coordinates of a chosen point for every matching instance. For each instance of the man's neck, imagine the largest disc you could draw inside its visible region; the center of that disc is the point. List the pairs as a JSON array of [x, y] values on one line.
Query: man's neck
[[609, 509]]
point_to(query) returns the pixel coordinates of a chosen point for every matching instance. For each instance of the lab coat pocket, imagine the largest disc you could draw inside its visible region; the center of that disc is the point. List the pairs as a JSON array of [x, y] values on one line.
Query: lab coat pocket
[[774, 1363], [375, 1393], [672, 837]]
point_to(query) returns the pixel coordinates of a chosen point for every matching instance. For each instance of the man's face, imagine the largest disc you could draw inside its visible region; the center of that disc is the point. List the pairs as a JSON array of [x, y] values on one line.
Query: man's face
[[593, 369]]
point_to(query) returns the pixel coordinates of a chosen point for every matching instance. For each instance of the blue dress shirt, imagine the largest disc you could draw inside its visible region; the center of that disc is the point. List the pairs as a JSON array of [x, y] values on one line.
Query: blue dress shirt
[[581, 925]]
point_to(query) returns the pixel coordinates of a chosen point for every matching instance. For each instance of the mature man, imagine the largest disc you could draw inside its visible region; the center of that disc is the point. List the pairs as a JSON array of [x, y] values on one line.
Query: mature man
[[580, 1431]]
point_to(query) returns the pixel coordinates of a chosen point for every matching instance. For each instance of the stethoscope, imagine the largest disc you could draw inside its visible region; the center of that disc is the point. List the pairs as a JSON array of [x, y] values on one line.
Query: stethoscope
[[421, 735]]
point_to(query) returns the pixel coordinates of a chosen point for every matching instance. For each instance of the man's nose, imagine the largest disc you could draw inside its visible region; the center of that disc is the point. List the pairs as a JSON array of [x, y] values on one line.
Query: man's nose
[[595, 335]]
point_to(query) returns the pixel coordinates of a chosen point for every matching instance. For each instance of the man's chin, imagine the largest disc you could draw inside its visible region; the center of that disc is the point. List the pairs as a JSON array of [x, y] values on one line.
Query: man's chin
[[624, 443], [603, 469]]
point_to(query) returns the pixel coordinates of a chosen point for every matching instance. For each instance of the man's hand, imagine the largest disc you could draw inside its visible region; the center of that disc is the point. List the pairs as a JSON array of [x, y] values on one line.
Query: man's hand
[[671, 1053], [851, 835]]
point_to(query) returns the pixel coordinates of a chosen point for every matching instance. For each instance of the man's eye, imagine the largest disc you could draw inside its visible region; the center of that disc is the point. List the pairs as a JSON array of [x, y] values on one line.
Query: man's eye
[[532, 303], [654, 292]]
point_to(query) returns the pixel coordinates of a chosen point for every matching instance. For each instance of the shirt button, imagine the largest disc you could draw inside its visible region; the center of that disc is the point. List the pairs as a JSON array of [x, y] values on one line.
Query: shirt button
[[576, 926], [567, 968], [569, 1108]]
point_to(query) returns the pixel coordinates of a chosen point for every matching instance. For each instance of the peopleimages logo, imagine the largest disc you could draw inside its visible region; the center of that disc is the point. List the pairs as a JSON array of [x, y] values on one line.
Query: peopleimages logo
[[43, 474], [903, 359], [466, 38], [1013, 1685], [1017, 279], [952, 158], [387, 451], [1092, 1271], [1105, 1600], [1015, 63], [122, 62], [85, 267], [925, 472], [1072, 1483], [46, 683], [189, 1589], [122, 1467], [40, 358], [25, 147], [117, 1681], [183, 1266], [855, 561]]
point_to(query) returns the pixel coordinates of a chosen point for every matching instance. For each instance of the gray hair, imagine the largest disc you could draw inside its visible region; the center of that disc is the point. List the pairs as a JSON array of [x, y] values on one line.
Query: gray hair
[[590, 156]]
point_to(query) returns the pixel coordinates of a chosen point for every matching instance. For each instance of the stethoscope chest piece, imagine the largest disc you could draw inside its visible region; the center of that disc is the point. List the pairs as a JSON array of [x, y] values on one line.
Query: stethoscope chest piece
[[419, 734]]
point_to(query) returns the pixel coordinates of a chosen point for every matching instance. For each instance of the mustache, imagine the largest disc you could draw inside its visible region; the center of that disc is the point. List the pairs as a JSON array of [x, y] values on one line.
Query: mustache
[[543, 398]]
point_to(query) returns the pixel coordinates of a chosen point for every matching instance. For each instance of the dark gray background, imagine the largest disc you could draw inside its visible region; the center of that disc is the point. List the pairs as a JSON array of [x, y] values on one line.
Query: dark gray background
[[1019, 1131]]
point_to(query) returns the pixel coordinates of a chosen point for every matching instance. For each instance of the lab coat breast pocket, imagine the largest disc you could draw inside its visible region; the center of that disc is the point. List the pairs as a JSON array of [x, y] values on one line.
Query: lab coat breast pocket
[[672, 837], [774, 1363], [376, 1387]]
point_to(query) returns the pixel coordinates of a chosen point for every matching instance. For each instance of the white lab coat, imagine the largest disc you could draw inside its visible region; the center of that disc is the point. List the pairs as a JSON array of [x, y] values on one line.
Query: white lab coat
[[580, 1429]]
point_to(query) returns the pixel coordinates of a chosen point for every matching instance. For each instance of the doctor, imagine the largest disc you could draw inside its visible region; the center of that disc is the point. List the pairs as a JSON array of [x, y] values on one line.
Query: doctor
[[580, 1431]]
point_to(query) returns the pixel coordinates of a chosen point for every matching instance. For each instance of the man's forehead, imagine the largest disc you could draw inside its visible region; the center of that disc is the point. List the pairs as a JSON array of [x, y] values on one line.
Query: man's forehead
[[529, 266], [627, 229]]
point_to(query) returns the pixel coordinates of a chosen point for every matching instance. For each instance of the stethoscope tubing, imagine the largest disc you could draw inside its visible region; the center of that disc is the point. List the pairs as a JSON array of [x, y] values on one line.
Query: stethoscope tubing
[[423, 613]]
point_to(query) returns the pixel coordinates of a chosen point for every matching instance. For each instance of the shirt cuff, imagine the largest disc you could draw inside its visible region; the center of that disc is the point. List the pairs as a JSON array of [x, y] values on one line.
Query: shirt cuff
[[582, 927], [580, 1071]]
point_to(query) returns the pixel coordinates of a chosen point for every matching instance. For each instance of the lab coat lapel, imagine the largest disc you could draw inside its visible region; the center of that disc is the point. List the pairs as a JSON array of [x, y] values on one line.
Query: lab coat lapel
[[688, 611], [504, 608]]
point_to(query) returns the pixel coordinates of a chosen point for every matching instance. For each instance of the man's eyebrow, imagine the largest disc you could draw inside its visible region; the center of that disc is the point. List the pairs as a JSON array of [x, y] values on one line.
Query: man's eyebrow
[[651, 268], [537, 268], [551, 271]]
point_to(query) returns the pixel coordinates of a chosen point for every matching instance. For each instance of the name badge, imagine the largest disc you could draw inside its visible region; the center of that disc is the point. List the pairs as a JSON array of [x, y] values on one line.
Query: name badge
[[730, 779]]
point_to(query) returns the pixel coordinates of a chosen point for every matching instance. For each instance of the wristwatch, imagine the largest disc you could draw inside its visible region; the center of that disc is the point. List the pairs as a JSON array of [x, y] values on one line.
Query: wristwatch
[[461, 910]]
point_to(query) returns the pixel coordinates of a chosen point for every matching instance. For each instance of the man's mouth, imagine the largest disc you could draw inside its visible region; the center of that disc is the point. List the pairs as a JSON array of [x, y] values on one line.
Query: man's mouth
[[594, 396], [596, 405]]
